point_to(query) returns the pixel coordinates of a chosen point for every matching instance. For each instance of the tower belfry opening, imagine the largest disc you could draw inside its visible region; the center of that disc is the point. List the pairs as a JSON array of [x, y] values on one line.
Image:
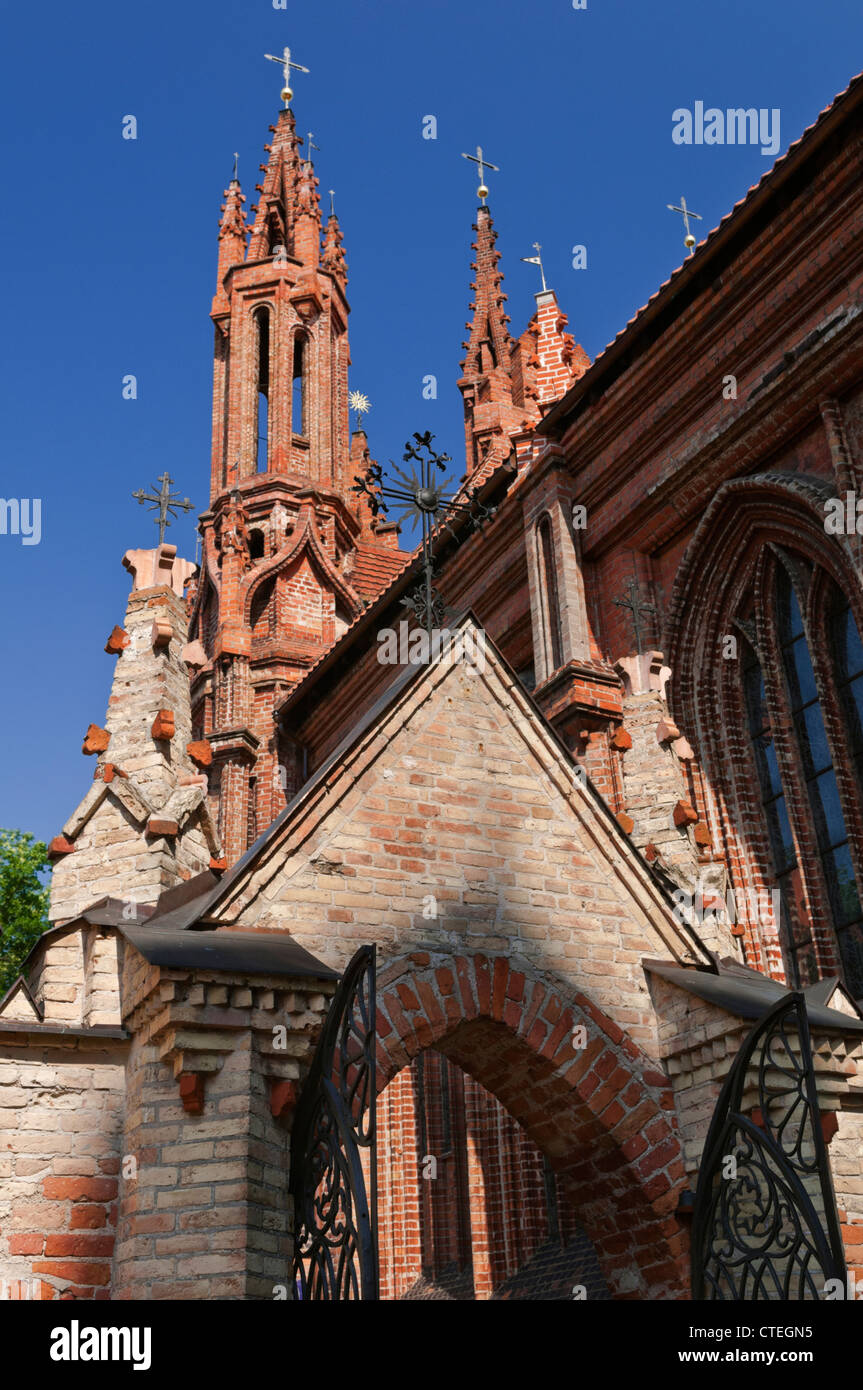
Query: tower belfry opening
[[262, 320]]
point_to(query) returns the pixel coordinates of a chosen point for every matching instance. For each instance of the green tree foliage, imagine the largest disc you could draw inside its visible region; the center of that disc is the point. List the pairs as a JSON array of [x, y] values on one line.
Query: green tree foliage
[[23, 900]]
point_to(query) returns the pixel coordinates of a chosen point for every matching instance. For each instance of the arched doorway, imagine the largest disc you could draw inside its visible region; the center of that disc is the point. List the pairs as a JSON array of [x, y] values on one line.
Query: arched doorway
[[595, 1105], [468, 1205]]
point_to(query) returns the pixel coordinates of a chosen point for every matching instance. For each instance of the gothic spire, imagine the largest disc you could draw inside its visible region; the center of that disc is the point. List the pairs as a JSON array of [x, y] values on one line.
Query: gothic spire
[[275, 211], [232, 236], [306, 238], [490, 344], [334, 252]]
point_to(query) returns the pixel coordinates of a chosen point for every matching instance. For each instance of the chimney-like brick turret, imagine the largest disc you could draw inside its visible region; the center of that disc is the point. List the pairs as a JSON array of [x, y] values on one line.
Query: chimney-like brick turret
[[144, 825]]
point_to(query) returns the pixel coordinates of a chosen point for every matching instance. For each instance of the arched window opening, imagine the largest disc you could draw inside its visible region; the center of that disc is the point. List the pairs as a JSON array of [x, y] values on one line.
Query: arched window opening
[[299, 398], [817, 762], [262, 424], [256, 544], [801, 797], [550, 599], [262, 613]]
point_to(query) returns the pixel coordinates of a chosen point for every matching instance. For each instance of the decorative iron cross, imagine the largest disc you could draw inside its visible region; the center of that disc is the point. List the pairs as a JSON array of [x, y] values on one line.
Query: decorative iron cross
[[633, 602], [689, 239], [482, 191], [163, 502], [536, 260], [286, 63], [422, 495]]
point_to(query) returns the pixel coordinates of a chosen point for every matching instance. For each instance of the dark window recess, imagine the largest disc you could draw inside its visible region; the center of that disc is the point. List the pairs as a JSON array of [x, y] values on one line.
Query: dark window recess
[[252, 813], [256, 544], [527, 678], [299, 421], [551, 1207], [262, 422], [549, 582]]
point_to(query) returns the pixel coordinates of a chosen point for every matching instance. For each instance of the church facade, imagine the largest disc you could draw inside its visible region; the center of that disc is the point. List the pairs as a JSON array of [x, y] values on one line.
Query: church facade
[[594, 838]]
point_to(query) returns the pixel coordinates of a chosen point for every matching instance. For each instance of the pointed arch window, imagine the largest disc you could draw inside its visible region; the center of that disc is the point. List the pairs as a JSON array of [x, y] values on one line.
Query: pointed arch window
[[550, 597], [262, 423], [805, 811], [299, 395]]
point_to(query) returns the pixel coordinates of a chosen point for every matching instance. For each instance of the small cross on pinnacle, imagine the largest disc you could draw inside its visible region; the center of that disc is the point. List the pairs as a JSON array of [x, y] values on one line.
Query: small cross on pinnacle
[[287, 65], [632, 601], [311, 146], [689, 239], [235, 178], [482, 191], [164, 502]]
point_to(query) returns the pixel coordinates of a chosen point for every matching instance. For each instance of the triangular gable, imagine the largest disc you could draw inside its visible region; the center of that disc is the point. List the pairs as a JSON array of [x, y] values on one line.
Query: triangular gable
[[302, 542], [315, 827], [122, 791], [18, 1004]]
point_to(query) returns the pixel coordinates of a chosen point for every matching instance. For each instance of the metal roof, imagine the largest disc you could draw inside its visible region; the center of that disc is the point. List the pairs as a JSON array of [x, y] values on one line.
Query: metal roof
[[246, 952], [749, 994]]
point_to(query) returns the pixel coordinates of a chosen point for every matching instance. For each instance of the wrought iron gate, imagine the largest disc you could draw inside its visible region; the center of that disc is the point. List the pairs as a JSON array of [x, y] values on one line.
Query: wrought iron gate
[[335, 1217], [765, 1223]]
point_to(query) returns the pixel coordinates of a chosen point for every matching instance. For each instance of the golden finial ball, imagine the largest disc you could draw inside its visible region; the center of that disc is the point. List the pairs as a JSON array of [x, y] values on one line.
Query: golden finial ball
[[482, 191], [689, 240], [286, 94]]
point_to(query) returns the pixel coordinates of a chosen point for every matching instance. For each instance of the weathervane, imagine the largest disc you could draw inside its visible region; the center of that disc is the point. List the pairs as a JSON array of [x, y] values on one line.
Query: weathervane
[[482, 191], [633, 602], [536, 260], [286, 63], [422, 496], [361, 404], [689, 239], [163, 502], [311, 146]]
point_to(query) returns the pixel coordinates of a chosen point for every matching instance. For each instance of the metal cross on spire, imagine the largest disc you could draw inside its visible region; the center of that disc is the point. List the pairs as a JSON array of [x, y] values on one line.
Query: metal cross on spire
[[287, 65], [235, 178], [536, 260], [689, 239], [482, 191], [632, 601], [164, 503], [332, 202], [310, 145]]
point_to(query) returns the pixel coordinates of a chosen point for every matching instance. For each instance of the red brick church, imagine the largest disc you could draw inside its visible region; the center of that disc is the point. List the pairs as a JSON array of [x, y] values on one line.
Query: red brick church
[[591, 863]]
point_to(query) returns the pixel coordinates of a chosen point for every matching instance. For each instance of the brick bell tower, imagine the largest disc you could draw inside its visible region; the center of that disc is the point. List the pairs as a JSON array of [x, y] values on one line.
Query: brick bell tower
[[290, 555]]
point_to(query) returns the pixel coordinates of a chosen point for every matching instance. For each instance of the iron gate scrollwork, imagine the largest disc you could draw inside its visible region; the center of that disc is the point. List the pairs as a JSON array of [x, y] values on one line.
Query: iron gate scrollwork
[[335, 1219], [765, 1223]]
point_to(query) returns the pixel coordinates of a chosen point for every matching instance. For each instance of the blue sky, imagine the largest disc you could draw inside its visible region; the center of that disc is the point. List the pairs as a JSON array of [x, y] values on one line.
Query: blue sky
[[110, 244]]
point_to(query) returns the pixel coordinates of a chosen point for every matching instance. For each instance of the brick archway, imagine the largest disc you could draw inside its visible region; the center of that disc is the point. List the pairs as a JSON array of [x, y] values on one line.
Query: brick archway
[[603, 1114]]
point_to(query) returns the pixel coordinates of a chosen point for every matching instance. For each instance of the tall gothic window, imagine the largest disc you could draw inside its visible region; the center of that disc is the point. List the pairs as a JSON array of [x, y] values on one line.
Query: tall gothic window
[[550, 598], [262, 321], [799, 790], [299, 398]]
